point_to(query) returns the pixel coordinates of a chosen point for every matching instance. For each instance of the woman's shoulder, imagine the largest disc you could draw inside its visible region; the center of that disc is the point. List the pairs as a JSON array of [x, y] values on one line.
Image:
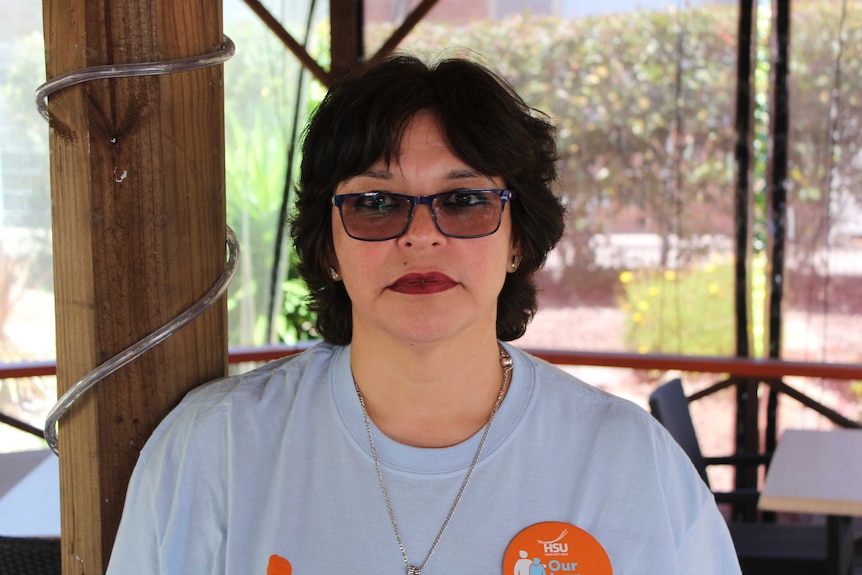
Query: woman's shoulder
[[563, 401], [616, 432], [555, 384], [282, 376], [249, 398]]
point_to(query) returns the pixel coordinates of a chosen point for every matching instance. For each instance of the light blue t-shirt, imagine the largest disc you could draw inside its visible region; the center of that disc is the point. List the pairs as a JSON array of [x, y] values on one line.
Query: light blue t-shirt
[[271, 472]]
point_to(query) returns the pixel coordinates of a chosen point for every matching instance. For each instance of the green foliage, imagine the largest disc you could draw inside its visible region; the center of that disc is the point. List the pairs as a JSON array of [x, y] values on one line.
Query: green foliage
[[687, 312], [254, 169], [26, 71], [824, 162], [25, 198], [297, 322], [760, 129], [608, 82], [260, 95]]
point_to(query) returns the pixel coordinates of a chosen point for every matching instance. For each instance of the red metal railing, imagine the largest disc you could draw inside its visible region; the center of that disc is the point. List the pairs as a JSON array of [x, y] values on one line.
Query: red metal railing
[[766, 370], [743, 367]]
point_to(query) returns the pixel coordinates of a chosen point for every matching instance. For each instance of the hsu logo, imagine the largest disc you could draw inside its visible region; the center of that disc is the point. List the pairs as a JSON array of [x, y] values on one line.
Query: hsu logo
[[556, 548]]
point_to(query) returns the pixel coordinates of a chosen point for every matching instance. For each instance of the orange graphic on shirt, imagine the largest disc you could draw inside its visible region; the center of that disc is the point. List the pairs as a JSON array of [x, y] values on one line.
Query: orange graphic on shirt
[[557, 548], [278, 566]]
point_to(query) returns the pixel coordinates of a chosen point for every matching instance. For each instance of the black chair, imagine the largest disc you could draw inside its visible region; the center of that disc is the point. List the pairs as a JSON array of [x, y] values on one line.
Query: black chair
[[763, 548], [669, 406], [29, 556]]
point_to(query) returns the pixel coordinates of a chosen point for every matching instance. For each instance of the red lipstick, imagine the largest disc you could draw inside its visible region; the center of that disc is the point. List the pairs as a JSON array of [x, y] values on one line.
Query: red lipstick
[[418, 284]]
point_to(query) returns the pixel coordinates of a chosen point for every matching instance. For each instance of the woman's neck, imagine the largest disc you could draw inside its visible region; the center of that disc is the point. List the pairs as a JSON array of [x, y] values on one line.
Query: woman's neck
[[428, 395]]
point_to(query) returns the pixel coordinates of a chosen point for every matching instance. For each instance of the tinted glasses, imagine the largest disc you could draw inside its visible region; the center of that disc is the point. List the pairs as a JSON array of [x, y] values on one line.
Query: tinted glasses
[[378, 216]]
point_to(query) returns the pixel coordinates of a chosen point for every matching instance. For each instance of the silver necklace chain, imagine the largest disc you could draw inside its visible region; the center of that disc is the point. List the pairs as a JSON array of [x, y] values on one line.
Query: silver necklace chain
[[506, 363]]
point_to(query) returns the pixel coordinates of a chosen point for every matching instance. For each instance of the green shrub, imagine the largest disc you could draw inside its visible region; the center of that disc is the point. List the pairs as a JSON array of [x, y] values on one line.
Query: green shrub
[[686, 312]]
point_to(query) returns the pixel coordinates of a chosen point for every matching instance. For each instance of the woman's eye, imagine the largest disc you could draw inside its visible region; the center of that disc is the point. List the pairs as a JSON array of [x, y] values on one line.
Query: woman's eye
[[466, 199], [377, 202]]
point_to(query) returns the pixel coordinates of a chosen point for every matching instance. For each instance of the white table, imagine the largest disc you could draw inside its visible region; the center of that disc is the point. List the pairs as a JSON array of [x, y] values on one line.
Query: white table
[[29, 494], [819, 472]]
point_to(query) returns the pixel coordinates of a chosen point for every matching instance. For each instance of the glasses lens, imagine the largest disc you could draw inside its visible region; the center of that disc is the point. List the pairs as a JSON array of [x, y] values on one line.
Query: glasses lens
[[468, 213], [375, 216]]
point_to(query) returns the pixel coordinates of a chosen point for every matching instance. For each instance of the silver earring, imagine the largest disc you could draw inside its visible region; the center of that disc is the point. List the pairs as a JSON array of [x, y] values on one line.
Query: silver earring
[[333, 273]]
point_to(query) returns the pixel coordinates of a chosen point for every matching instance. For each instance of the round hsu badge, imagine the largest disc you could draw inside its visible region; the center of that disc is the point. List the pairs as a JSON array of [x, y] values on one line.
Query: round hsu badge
[[555, 548]]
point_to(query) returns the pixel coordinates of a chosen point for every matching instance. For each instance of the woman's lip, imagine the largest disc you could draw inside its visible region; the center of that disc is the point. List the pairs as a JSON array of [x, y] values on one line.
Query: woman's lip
[[425, 283]]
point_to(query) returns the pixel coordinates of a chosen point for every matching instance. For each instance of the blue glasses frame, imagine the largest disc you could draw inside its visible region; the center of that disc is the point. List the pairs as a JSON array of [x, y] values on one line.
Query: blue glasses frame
[[413, 201]]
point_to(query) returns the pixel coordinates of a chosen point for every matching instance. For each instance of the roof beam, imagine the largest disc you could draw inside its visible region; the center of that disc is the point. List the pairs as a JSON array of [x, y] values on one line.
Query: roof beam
[[406, 27], [290, 42]]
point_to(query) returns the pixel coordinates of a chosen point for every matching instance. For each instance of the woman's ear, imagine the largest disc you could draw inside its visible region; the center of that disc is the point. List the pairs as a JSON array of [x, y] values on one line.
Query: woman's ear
[[514, 259], [332, 267]]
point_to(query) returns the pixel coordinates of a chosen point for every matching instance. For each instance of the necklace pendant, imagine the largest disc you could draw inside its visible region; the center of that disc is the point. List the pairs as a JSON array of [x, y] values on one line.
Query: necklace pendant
[[413, 570]]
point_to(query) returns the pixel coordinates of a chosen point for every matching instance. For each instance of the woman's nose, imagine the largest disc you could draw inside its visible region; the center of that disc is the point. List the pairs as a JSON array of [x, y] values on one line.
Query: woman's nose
[[422, 228]]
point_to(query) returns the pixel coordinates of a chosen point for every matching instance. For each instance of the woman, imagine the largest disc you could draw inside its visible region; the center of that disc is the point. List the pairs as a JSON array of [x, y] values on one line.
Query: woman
[[413, 440]]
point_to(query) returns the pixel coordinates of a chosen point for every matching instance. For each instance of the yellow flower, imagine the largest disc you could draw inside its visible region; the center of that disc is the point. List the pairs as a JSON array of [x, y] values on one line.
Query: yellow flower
[[653, 291], [638, 317], [709, 267], [670, 275], [713, 289], [643, 305], [626, 276], [643, 348]]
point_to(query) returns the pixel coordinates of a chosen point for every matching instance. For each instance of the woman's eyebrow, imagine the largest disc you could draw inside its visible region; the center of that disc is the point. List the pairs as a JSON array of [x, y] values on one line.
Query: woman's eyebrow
[[375, 173], [456, 174], [461, 174]]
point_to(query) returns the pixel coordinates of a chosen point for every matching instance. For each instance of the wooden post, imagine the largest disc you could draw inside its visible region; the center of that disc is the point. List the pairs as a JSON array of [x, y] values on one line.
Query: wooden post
[[137, 178]]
